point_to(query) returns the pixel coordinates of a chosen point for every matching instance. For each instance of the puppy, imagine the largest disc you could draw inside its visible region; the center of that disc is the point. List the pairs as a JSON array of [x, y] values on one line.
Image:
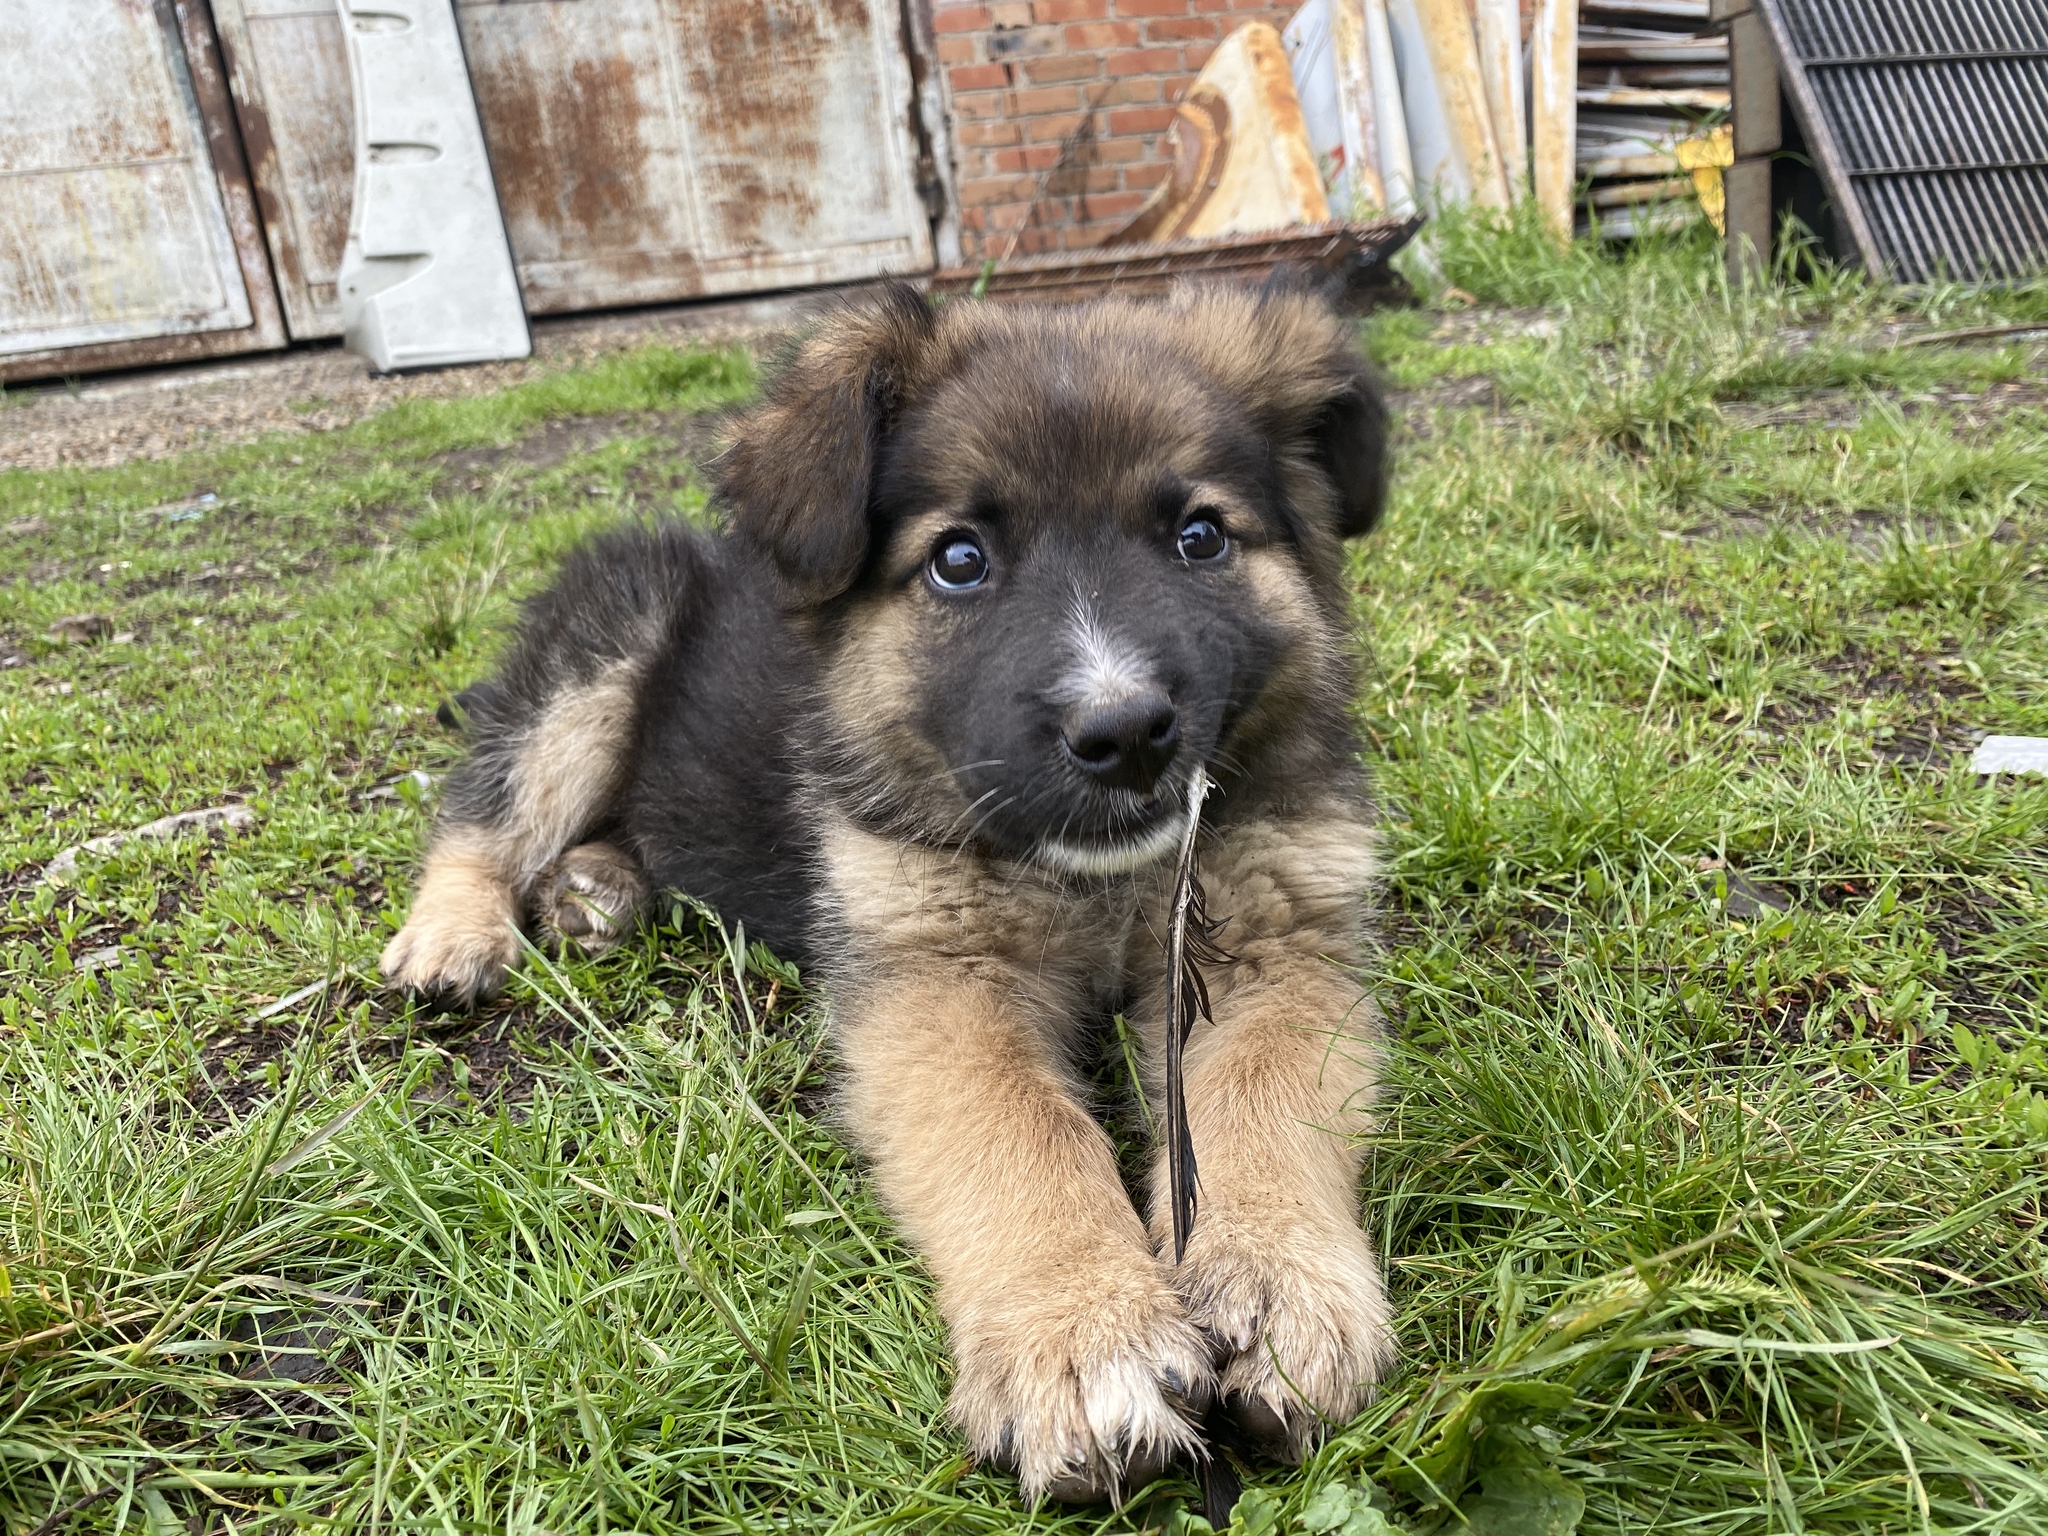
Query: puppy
[[997, 584]]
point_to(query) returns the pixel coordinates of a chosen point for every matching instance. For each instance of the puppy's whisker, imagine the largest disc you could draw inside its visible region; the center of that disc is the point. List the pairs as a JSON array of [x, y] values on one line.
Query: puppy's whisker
[[954, 826]]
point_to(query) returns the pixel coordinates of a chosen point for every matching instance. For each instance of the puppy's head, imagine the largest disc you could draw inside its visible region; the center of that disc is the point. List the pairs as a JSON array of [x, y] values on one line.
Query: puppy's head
[[1061, 558]]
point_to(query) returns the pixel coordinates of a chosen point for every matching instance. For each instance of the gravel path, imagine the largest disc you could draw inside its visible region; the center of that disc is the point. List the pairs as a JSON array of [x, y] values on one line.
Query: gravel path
[[156, 413]]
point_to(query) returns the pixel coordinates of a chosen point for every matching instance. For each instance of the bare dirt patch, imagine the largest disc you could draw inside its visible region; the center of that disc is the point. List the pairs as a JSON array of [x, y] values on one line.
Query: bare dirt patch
[[158, 413]]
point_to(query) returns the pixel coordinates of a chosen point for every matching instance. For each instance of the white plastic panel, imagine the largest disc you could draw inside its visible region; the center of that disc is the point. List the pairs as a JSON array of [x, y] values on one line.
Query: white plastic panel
[[426, 278]]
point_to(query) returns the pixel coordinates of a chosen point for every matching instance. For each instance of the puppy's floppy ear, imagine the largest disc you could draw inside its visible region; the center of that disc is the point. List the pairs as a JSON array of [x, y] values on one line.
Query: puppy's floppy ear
[[798, 475], [1295, 362], [1349, 440]]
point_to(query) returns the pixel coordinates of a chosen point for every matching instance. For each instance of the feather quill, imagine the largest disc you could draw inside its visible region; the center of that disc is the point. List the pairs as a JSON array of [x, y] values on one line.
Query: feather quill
[[1190, 944]]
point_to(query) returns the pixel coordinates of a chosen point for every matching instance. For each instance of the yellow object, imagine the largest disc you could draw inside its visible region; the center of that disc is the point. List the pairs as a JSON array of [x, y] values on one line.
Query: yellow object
[[1705, 157]]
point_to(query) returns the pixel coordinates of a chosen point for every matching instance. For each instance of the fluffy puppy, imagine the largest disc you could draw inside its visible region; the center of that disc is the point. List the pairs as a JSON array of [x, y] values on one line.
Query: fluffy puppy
[[997, 583]]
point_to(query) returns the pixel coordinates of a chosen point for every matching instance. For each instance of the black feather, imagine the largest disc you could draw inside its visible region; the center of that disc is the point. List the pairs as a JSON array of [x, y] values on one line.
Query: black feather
[[1190, 945]]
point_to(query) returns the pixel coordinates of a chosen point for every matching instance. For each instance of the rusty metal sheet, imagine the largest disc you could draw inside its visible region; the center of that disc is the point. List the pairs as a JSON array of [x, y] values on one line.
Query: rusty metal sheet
[[1240, 151], [288, 68], [655, 149], [1356, 253], [127, 233], [1553, 110], [1449, 126]]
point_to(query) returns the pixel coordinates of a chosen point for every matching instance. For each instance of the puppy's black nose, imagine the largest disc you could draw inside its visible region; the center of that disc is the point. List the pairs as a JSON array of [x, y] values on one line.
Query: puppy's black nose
[[1126, 745]]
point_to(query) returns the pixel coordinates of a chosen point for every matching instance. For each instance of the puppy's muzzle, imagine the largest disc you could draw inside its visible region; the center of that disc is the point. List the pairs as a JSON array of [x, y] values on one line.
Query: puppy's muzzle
[[1125, 744]]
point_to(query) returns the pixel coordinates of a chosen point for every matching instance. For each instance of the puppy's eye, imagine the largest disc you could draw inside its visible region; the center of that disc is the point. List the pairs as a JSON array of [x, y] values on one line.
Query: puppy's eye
[[1202, 538], [958, 563]]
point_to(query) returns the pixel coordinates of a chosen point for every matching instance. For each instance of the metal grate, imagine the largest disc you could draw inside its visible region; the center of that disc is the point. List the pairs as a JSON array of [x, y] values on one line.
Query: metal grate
[[1930, 123]]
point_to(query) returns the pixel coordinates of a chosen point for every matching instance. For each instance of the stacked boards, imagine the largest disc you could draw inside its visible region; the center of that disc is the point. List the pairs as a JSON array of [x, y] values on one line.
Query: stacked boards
[[1652, 97]]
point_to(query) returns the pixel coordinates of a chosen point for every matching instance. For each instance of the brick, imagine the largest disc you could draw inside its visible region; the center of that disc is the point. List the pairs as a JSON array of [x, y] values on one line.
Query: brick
[[1140, 120], [1022, 42], [1145, 61], [985, 135], [1010, 13], [1008, 216], [1119, 151], [1207, 6], [1037, 240], [1133, 89], [1132, 9], [960, 18], [1064, 66], [1143, 178], [1103, 34], [1195, 56], [1069, 10], [978, 77], [996, 189], [1038, 157], [1060, 125], [1046, 98], [957, 49], [980, 104], [1114, 205], [1183, 29]]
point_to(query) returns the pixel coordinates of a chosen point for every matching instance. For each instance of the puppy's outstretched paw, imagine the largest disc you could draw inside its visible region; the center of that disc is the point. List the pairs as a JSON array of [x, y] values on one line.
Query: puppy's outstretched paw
[[456, 959], [463, 934], [1300, 1324], [1086, 1385], [591, 896]]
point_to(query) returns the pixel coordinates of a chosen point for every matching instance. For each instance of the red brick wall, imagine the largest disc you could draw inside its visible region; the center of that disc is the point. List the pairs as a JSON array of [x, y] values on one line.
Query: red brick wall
[[1058, 106]]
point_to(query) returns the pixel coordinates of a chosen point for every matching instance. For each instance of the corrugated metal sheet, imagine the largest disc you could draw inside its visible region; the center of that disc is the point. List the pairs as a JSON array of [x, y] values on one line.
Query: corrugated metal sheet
[[1930, 123], [127, 233]]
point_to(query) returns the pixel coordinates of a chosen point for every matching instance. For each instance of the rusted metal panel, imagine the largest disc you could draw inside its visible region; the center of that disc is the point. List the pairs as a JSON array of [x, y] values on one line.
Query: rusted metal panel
[[654, 149], [1450, 128], [1354, 252], [1553, 110], [289, 72], [127, 231]]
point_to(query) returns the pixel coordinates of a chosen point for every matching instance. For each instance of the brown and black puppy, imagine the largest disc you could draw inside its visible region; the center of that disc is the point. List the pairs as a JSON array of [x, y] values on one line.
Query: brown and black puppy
[[998, 584]]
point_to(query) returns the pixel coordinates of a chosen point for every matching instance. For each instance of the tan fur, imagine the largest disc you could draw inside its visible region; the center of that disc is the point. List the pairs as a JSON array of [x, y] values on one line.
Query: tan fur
[[568, 767], [1074, 1351], [461, 936], [1278, 1088], [463, 933]]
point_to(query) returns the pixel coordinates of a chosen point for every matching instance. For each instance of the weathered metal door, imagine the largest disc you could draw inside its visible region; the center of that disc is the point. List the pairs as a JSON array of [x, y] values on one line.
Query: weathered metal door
[[288, 66], [648, 149], [644, 150], [126, 224]]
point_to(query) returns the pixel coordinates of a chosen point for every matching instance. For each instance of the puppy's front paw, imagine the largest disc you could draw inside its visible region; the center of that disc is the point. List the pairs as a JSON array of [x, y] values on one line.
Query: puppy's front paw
[[457, 953], [591, 896], [1299, 1316], [1081, 1379]]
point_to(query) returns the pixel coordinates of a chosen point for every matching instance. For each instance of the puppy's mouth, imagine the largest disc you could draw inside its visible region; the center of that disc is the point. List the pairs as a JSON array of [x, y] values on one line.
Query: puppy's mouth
[[1150, 830]]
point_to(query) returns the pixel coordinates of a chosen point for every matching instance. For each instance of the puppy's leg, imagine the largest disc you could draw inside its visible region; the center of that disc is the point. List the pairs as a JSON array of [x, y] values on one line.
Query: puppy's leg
[[552, 737], [1075, 1359], [527, 792], [590, 896], [1277, 1268]]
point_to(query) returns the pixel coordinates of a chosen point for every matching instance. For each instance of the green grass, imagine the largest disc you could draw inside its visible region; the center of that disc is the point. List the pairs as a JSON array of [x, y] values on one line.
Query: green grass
[[1701, 1213]]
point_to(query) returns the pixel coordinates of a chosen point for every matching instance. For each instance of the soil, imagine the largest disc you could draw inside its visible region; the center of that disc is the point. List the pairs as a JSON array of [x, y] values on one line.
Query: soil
[[317, 387]]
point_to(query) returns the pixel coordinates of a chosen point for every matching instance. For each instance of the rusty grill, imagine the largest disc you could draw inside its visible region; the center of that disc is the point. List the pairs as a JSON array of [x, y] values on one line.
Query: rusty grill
[[1930, 123]]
